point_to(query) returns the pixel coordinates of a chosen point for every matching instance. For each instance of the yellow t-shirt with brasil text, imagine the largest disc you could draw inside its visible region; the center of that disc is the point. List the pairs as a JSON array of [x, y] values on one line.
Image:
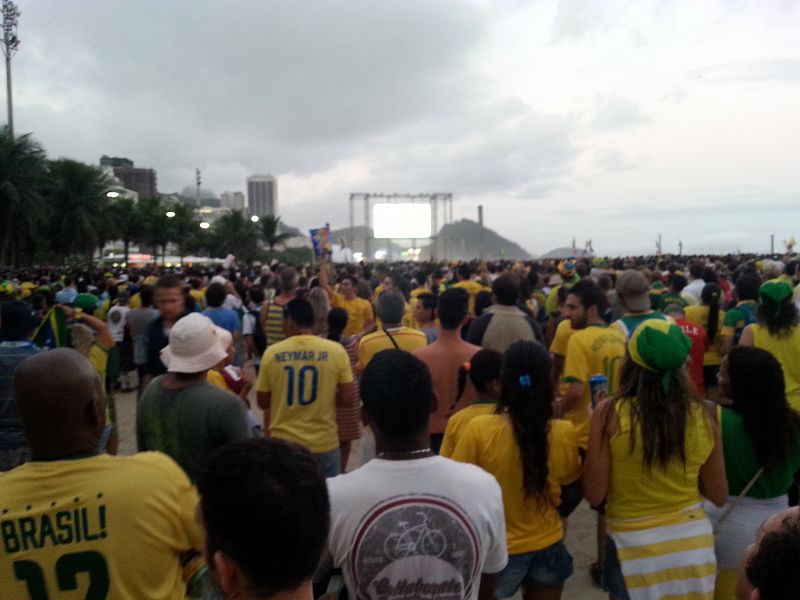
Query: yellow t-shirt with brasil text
[[302, 373], [595, 350], [531, 524], [97, 527], [359, 312]]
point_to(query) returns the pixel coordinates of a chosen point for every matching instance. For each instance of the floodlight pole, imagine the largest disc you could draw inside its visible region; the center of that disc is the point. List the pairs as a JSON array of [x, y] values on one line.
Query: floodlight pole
[[480, 225], [10, 43], [197, 181]]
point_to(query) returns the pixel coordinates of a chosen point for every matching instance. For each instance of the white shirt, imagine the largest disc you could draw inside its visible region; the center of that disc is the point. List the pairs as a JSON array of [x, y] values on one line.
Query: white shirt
[[249, 328], [117, 318], [232, 302], [695, 288], [421, 528]]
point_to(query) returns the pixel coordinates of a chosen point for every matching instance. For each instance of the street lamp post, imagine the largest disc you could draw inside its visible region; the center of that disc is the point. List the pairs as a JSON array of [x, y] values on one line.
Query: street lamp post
[[10, 43]]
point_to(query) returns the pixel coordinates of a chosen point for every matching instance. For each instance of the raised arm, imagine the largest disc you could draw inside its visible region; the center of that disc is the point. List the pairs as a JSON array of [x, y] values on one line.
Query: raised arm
[[104, 336], [324, 281]]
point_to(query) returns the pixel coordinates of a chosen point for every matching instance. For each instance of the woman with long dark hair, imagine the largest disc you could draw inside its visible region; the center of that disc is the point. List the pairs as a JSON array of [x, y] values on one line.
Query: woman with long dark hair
[[531, 455], [761, 444], [711, 317], [778, 333], [653, 449]]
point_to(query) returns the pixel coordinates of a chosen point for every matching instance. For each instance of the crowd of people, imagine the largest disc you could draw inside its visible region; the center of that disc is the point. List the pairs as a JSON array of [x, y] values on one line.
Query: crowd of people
[[488, 399]]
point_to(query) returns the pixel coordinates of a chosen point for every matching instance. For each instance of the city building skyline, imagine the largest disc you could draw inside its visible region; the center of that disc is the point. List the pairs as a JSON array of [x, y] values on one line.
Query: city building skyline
[[143, 181], [262, 195], [232, 200]]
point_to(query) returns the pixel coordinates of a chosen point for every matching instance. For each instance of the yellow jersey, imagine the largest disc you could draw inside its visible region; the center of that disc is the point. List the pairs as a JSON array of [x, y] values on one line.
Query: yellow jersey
[[217, 379], [699, 315], [595, 350], [407, 339], [531, 523], [636, 492], [563, 332], [302, 374], [359, 313], [457, 423], [199, 297], [97, 527], [472, 288], [786, 350]]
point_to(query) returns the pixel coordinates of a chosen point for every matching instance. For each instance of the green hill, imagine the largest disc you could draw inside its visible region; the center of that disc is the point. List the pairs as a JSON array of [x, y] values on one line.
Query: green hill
[[461, 240], [458, 240]]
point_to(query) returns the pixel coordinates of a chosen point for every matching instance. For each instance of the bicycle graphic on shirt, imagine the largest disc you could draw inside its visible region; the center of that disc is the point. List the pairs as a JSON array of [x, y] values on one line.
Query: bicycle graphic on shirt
[[416, 540]]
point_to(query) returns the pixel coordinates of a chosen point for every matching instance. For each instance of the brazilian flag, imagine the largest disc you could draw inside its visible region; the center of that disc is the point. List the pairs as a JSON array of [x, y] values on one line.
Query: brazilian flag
[[53, 331]]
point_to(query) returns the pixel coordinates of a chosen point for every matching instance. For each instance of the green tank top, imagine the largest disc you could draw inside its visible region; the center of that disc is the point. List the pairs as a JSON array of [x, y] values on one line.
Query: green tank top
[[741, 463]]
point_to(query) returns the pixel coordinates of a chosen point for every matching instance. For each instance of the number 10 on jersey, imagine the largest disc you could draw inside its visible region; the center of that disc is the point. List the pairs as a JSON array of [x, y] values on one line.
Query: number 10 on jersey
[[303, 382]]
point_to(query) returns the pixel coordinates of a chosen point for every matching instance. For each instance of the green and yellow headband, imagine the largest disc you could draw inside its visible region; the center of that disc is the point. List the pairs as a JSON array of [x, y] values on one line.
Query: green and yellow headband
[[660, 346]]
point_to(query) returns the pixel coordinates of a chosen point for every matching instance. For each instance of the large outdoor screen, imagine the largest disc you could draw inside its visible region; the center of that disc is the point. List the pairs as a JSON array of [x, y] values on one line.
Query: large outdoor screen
[[402, 221]]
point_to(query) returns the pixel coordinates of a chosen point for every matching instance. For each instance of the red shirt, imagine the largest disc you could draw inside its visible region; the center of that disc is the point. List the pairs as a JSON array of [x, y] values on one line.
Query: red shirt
[[697, 334]]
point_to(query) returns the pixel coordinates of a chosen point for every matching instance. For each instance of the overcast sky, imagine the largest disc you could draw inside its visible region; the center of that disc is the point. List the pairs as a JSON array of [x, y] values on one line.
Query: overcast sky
[[607, 120]]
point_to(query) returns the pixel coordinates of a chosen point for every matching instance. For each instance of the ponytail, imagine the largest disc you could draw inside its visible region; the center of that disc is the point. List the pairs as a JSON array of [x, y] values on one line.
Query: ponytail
[[710, 296]]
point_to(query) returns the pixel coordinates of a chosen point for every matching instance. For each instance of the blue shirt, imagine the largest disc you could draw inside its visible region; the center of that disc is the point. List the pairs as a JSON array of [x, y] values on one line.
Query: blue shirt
[[225, 318]]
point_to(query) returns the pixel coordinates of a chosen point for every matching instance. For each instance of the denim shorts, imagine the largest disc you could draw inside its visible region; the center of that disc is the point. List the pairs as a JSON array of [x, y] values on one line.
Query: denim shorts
[[329, 463], [612, 580], [549, 567]]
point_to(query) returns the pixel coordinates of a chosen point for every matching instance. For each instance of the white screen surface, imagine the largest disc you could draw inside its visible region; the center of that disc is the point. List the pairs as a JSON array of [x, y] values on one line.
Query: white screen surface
[[402, 221]]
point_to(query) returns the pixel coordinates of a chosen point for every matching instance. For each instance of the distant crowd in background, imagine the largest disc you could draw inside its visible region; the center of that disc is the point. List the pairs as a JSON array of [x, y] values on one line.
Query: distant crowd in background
[[489, 400]]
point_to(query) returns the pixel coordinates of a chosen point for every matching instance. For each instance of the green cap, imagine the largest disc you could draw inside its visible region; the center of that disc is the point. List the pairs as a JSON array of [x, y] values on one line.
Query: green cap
[[86, 302]]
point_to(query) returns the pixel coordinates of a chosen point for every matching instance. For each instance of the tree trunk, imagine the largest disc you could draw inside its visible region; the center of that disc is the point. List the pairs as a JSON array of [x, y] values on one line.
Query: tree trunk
[[126, 243]]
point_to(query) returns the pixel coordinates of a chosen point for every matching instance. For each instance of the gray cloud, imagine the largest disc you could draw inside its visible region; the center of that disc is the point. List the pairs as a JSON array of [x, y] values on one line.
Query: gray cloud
[[575, 18], [618, 113], [779, 70], [612, 161], [271, 86]]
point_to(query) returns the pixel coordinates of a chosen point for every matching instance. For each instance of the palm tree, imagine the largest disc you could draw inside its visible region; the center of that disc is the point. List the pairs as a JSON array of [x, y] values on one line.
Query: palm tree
[[156, 228], [184, 228], [80, 220], [271, 231], [23, 211], [235, 234], [128, 223]]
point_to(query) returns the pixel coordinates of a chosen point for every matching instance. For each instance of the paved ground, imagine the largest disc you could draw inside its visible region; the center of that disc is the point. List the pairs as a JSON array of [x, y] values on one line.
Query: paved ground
[[580, 534]]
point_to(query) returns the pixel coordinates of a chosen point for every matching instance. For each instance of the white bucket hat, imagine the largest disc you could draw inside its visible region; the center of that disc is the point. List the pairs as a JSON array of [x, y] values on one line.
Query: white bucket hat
[[195, 345]]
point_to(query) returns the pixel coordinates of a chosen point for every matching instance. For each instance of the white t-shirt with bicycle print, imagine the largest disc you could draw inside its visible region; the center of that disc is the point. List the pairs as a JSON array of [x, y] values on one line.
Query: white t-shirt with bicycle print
[[424, 528]]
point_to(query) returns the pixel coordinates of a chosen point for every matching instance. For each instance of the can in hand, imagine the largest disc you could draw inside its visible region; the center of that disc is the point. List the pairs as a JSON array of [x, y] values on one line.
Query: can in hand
[[597, 384]]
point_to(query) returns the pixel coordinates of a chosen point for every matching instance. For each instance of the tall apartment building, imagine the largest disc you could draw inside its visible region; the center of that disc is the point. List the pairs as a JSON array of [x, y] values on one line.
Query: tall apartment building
[[262, 195], [142, 181], [232, 200]]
